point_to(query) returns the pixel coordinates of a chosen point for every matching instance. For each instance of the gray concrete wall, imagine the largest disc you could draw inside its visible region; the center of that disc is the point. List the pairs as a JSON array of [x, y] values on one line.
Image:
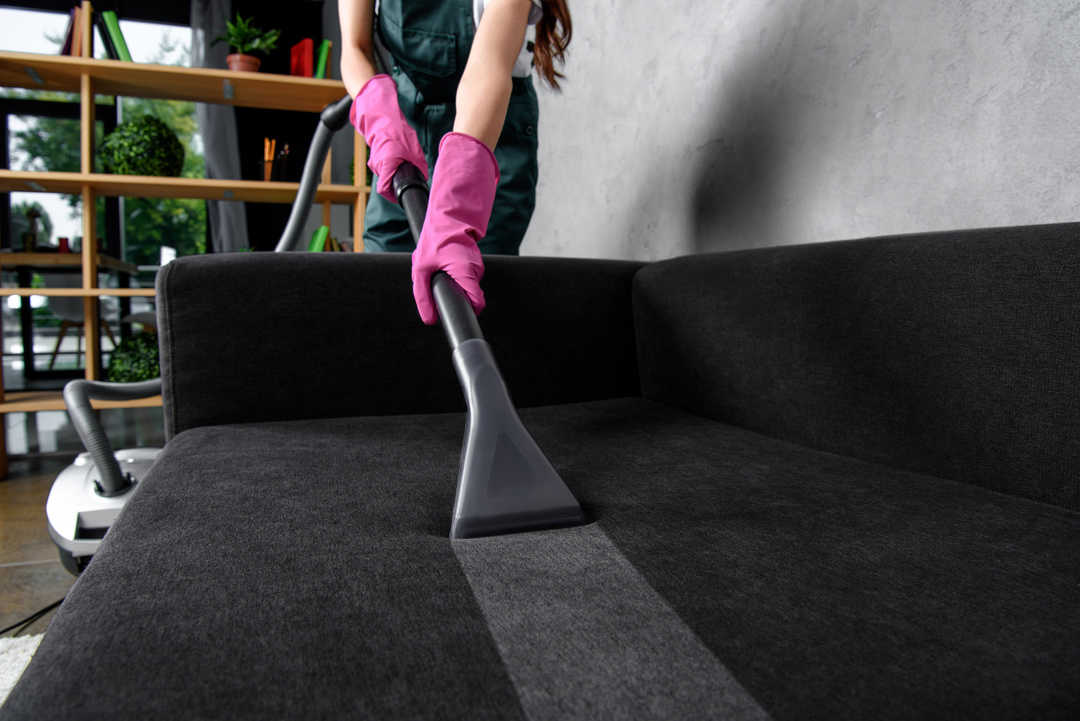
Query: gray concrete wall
[[715, 124]]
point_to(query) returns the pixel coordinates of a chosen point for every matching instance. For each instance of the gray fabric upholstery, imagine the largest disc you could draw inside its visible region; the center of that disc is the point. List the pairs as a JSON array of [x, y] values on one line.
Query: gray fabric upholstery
[[949, 353], [805, 519], [284, 336], [584, 635], [288, 570], [302, 570]]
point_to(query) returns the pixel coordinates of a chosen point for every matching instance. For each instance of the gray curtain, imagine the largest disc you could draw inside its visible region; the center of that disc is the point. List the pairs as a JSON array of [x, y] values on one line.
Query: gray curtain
[[217, 125]]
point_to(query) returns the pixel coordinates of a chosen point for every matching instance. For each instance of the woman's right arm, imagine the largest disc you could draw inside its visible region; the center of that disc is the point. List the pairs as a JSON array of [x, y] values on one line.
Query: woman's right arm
[[357, 56]]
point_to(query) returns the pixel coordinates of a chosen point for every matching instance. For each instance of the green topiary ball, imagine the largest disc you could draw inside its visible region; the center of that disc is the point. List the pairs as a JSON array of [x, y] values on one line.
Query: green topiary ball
[[134, 360], [143, 146]]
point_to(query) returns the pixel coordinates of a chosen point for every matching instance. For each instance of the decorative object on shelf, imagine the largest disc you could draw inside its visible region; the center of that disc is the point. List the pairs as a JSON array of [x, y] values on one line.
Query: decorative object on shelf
[[282, 168], [29, 218], [135, 359], [112, 26], [246, 39], [324, 56], [143, 146], [277, 162], [300, 58], [29, 238], [269, 148]]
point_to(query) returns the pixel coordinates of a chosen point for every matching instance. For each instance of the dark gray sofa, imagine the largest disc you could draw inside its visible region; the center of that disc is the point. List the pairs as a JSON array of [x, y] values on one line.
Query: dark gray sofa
[[835, 481]]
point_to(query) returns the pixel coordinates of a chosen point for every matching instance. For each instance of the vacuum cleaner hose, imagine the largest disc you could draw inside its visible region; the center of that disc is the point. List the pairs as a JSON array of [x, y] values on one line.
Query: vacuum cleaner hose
[[458, 319], [505, 482], [332, 119], [77, 395]]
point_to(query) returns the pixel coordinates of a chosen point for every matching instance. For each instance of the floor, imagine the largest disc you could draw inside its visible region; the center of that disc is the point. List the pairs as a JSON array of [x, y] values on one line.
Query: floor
[[31, 576], [41, 445]]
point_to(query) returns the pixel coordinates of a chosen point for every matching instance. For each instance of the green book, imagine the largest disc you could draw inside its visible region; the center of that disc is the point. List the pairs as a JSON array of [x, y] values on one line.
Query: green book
[[324, 55], [106, 39], [113, 26], [318, 240]]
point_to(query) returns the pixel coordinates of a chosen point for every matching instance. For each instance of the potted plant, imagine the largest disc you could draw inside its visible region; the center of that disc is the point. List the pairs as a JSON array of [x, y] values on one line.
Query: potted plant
[[143, 146], [245, 39], [135, 359]]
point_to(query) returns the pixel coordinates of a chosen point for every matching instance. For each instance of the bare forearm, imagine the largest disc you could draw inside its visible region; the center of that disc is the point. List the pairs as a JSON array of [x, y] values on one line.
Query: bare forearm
[[484, 92], [357, 60], [356, 69], [481, 107]]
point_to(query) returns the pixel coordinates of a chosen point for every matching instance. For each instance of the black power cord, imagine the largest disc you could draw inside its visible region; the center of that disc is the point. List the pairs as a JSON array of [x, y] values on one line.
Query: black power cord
[[29, 620]]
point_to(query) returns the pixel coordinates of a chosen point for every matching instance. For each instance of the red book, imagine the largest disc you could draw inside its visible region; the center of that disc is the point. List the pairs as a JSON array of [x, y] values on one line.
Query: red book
[[301, 58]]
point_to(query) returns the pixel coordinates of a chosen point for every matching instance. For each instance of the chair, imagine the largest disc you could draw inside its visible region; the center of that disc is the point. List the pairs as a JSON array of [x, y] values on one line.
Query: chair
[[69, 310]]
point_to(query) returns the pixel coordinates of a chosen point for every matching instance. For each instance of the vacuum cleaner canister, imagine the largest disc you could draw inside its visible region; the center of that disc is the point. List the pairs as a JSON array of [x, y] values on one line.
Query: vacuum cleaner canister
[[79, 515]]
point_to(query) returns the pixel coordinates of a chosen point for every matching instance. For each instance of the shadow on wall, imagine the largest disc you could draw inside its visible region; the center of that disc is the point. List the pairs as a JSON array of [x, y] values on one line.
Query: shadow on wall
[[736, 185], [755, 158], [741, 123]]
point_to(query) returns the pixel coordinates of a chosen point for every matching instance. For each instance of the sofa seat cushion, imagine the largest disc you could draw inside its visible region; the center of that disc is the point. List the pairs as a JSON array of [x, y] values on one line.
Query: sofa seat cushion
[[302, 570]]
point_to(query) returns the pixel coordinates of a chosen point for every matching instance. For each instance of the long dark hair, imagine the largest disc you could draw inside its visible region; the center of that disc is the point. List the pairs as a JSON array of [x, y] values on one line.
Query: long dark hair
[[553, 34]]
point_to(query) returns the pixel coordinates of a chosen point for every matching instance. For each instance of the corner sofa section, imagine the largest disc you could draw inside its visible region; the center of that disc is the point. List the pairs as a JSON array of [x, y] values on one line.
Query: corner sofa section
[[824, 482]]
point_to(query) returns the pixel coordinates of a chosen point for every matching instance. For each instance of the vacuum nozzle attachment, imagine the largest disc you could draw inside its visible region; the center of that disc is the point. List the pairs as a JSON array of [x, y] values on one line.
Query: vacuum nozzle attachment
[[505, 483]]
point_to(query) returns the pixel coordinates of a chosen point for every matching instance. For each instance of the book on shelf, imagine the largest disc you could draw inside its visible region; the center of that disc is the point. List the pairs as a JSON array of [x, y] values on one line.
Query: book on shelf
[[300, 58], [76, 33], [69, 33], [318, 240], [112, 24], [106, 39], [324, 56]]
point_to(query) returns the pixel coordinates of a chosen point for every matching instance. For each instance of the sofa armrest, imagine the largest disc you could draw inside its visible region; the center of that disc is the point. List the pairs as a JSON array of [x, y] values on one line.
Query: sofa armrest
[[262, 337]]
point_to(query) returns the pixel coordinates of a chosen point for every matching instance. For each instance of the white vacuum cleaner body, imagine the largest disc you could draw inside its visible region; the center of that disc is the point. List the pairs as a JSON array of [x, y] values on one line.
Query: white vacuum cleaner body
[[78, 515]]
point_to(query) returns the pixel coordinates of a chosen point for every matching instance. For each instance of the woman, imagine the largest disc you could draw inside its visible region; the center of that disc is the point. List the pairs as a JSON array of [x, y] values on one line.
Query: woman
[[459, 100]]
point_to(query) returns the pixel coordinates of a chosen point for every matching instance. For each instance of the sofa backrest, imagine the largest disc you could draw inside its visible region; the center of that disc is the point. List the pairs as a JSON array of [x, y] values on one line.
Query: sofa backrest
[[953, 354], [250, 337]]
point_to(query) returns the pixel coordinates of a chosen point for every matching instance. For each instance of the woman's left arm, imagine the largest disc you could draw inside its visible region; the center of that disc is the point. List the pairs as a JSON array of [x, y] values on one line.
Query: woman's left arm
[[483, 94]]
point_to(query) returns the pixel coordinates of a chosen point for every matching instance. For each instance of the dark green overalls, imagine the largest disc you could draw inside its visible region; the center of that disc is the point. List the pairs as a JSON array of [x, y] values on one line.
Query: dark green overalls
[[430, 42]]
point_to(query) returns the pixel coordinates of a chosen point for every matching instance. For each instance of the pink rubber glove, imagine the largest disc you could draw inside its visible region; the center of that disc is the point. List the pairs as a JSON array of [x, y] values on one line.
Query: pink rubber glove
[[459, 208], [376, 115]]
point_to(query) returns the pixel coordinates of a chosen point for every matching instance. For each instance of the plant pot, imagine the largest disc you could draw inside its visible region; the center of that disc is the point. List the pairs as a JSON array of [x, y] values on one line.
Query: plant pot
[[248, 63]]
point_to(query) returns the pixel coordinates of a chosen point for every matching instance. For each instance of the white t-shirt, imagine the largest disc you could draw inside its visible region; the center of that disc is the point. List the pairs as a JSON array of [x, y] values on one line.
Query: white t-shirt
[[523, 64], [535, 13]]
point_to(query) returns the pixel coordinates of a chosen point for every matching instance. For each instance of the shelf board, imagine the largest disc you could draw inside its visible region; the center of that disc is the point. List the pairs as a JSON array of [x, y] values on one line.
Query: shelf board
[[74, 260], [26, 401], [146, 186], [38, 71], [80, 292]]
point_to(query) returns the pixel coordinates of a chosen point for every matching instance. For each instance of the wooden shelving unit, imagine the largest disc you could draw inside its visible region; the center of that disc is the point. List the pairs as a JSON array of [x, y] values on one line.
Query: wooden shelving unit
[[145, 186], [204, 85], [88, 77], [48, 401]]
